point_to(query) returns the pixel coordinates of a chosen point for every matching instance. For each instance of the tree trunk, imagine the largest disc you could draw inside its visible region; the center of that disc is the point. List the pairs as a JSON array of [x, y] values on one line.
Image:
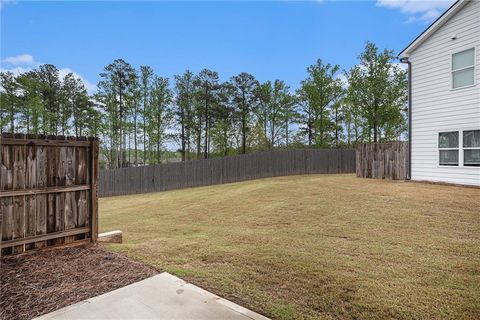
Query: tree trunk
[[120, 160], [286, 133], [135, 135], [182, 121], [321, 128], [145, 127], [244, 124], [199, 141], [225, 141], [188, 143], [205, 153], [272, 134], [375, 125], [127, 163], [12, 121], [309, 127], [336, 127]]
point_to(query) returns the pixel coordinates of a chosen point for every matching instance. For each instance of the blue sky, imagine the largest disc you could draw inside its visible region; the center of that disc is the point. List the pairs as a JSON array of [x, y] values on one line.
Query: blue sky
[[271, 39]]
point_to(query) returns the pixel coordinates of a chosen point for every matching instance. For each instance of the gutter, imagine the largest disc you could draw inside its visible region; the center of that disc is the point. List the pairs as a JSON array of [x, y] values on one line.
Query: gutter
[[405, 60]]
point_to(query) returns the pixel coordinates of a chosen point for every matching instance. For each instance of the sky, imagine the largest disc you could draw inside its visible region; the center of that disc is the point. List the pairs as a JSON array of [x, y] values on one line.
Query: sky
[[269, 39]]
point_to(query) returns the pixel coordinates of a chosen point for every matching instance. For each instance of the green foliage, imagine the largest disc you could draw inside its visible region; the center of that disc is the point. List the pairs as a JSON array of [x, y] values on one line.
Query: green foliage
[[274, 111], [9, 100], [244, 99], [139, 115], [378, 93], [183, 112], [207, 87], [40, 102], [160, 115], [319, 93]]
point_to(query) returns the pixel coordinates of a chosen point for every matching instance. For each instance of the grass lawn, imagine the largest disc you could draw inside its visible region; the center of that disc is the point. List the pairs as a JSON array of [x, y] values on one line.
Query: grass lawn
[[315, 246]]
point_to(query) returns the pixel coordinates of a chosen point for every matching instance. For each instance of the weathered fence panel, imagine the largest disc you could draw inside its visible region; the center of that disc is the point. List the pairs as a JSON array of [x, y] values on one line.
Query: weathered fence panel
[[48, 191], [196, 173], [382, 160]]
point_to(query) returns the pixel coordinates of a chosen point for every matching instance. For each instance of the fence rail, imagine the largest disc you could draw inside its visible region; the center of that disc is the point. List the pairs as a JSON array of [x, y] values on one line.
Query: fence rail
[[195, 173], [382, 160], [48, 191]]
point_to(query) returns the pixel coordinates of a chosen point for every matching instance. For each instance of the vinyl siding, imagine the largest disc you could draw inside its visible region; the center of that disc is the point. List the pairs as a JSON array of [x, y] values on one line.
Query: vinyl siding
[[435, 106]]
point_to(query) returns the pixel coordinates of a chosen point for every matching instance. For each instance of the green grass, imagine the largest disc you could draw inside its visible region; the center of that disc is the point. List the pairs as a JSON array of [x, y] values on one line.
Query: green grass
[[317, 246]]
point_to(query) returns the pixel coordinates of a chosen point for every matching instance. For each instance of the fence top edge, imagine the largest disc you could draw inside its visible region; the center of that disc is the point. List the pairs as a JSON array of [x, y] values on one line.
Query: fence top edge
[[43, 137], [177, 163]]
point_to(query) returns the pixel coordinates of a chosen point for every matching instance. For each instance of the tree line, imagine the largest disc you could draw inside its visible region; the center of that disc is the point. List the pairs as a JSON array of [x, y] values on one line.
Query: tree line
[[137, 113]]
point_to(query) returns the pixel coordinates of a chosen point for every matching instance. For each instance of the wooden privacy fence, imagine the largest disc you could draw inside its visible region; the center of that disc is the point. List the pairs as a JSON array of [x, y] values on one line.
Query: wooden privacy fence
[[224, 170], [382, 160], [48, 191]]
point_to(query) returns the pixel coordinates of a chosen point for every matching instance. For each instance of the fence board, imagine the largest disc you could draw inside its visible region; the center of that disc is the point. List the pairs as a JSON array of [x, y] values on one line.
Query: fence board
[[47, 191], [382, 160], [194, 173]]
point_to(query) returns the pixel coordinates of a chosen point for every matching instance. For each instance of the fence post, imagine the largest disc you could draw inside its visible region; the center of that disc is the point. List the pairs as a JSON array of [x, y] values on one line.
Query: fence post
[[93, 190]]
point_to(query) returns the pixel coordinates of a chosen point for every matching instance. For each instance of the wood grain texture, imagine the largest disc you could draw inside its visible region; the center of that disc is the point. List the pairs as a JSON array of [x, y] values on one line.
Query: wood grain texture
[[46, 196], [382, 160], [196, 173], [94, 176]]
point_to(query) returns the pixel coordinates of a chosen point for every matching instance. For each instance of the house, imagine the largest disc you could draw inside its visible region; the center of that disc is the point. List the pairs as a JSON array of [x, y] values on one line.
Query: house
[[444, 113]]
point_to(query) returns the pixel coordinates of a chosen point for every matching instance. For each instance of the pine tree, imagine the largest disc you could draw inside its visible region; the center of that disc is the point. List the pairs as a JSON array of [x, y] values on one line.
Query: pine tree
[[117, 79], [161, 115], [244, 97], [9, 101], [207, 84], [146, 78], [185, 95]]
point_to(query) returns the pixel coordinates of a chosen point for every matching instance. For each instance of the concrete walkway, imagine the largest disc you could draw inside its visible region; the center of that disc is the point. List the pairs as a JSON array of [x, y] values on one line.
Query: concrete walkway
[[163, 296]]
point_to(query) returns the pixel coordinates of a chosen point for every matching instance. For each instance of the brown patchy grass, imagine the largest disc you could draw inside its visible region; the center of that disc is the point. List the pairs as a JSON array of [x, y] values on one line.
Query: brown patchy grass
[[317, 246]]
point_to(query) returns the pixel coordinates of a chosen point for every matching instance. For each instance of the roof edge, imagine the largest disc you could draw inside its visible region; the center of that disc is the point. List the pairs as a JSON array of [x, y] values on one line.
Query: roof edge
[[440, 21]]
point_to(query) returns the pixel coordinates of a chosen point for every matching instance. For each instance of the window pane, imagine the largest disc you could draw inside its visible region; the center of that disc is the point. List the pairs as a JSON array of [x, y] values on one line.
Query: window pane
[[463, 78], [471, 157], [448, 140], [471, 139], [449, 157], [462, 59]]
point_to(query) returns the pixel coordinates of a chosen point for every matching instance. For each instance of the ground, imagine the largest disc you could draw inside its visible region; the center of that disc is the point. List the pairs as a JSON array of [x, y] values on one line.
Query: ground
[[316, 246], [37, 283]]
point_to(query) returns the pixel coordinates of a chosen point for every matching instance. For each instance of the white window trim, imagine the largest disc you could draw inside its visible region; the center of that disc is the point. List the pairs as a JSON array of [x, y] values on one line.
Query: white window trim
[[447, 149], [460, 149], [464, 68], [468, 148]]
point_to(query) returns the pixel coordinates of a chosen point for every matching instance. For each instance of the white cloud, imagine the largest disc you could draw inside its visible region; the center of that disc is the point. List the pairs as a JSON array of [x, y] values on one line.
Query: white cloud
[[343, 78], [5, 2], [30, 63], [418, 10], [20, 59], [91, 88], [402, 66], [16, 71]]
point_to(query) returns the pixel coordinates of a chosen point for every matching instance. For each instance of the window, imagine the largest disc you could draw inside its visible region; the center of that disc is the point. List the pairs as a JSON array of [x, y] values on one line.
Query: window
[[471, 148], [448, 146], [459, 148], [463, 68]]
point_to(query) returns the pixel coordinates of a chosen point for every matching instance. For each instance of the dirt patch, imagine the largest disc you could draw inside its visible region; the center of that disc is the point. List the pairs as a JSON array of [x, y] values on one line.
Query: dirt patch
[[41, 282]]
